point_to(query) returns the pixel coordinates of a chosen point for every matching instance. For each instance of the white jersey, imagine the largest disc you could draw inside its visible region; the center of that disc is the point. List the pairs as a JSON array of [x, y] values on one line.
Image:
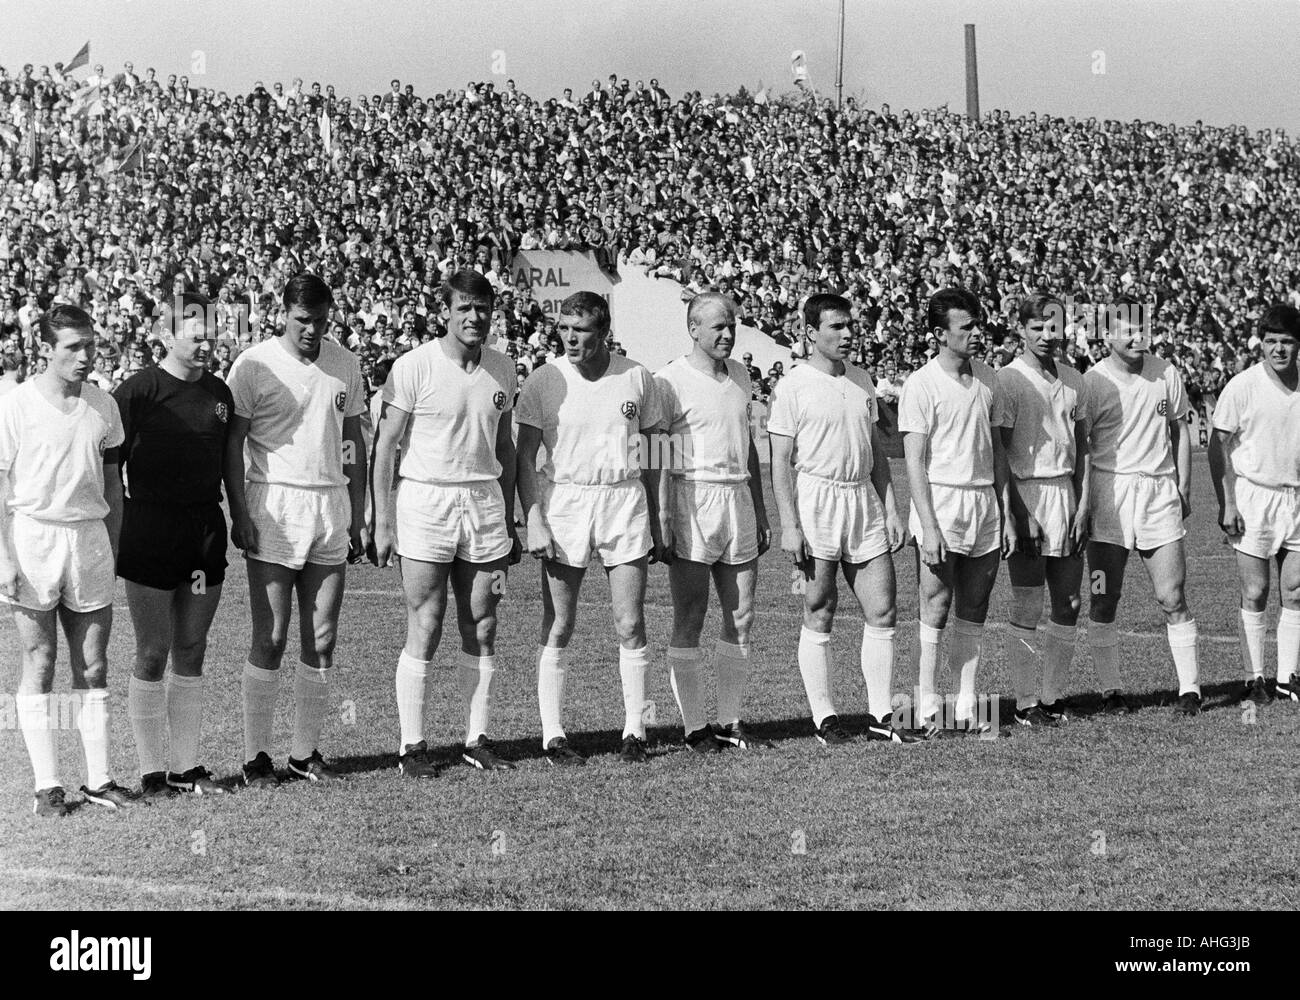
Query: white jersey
[[590, 429], [830, 419], [1041, 412], [54, 461], [708, 421], [452, 432], [296, 410], [958, 415], [1264, 417], [1128, 416]]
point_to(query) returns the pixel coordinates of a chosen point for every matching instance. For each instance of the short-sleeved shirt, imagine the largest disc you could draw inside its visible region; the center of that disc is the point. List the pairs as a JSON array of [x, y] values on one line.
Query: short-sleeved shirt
[[174, 436], [452, 432], [54, 461], [296, 410], [1264, 417], [707, 420], [829, 417], [590, 429], [1128, 416], [1042, 413], [958, 415]]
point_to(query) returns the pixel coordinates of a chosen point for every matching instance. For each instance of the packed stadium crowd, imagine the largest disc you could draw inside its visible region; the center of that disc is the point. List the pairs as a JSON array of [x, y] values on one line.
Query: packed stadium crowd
[[117, 191]]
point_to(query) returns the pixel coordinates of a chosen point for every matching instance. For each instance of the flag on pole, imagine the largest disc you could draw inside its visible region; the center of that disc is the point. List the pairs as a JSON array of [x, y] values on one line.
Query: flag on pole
[[31, 148], [82, 58], [326, 131], [86, 101], [799, 66], [134, 159]]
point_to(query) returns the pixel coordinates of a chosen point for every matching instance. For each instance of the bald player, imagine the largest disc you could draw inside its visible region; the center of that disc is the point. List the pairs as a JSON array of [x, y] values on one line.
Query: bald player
[[839, 516], [298, 519], [1255, 464], [1141, 494], [591, 497], [447, 406], [712, 517], [1047, 451], [957, 471]]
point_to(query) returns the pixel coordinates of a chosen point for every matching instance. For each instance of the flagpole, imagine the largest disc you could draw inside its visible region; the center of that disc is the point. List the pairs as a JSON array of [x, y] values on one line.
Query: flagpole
[[839, 65]]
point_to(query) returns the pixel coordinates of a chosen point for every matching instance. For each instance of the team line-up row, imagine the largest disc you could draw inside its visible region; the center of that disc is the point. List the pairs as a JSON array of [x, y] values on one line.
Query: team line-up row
[[1034, 464]]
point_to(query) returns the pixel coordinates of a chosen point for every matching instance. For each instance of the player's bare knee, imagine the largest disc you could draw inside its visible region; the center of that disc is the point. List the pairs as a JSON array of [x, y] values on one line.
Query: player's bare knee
[[268, 649], [629, 626], [481, 633], [883, 617], [150, 662], [96, 674], [1254, 595], [1172, 601], [742, 620], [187, 657], [1065, 609]]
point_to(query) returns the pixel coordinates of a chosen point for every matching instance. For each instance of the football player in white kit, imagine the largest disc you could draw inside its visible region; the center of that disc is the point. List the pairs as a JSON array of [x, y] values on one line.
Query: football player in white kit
[[1047, 451], [712, 517], [957, 471], [591, 497], [60, 517], [447, 404], [1255, 464], [839, 514], [1141, 493], [301, 515]]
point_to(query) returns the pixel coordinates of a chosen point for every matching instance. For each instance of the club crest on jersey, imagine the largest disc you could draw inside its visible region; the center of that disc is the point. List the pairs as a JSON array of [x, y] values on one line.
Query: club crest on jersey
[[340, 400], [629, 410], [499, 400], [1162, 407], [223, 414]]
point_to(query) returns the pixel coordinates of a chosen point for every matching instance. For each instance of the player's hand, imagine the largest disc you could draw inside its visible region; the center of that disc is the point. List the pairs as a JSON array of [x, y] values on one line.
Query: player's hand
[[895, 530], [764, 535], [541, 544], [934, 550], [1186, 500], [664, 543], [358, 543], [1231, 522], [1079, 529], [8, 577], [516, 546], [243, 533], [1027, 536], [383, 546], [795, 546]]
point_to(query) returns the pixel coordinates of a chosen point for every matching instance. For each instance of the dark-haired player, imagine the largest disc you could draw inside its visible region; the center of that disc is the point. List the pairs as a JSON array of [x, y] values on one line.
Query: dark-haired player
[[447, 405], [1255, 464], [298, 405], [175, 419]]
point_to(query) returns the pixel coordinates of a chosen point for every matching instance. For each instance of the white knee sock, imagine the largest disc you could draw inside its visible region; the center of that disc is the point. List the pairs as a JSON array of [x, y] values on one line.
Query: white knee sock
[[411, 683], [1103, 643], [1288, 644], [310, 698], [927, 651], [684, 675], [146, 707], [732, 671], [476, 674], [92, 723], [1182, 643], [964, 655], [260, 688], [878, 669], [1058, 654], [184, 720], [550, 691], [815, 668], [35, 717], [1251, 628], [633, 664], [1022, 657]]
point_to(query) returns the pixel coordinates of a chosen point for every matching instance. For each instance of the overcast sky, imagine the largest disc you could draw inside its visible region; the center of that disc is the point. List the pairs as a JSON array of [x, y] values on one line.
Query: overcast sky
[[1223, 61]]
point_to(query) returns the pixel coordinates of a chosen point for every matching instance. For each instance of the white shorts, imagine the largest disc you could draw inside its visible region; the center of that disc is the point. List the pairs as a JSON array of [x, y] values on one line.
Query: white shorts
[[611, 521], [968, 516], [68, 563], [1052, 503], [1136, 511], [714, 522], [1272, 517], [437, 523], [296, 525], [842, 522]]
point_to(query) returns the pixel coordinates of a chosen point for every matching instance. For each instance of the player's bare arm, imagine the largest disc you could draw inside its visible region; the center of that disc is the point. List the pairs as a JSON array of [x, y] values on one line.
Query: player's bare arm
[[113, 497], [1224, 478], [539, 542], [931, 545], [1182, 448], [882, 478], [1082, 481], [667, 492], [1002, 487], [650, 481], [243, 534], [756, 495], [8, 563], [793, 543], [505, 453], [354, 467], [383, 533], [1023, 525]]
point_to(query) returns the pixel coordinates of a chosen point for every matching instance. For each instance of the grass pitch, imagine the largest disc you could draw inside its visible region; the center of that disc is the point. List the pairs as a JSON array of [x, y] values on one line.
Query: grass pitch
[[1147, 811]]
